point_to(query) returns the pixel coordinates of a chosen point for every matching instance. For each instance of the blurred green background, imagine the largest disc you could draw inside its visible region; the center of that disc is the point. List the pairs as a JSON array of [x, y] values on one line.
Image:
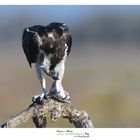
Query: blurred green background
[[102, 73]]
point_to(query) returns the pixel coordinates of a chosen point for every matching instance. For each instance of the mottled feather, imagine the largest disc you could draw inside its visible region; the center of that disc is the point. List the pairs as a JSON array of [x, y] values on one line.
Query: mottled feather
[[40, 41]]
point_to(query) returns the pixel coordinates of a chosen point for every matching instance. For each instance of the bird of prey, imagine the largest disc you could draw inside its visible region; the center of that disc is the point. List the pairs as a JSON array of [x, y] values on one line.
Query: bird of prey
[[48, 47]]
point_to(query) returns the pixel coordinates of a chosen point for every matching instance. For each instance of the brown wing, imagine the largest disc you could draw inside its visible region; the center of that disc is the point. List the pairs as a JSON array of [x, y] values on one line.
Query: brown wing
[[30, 43], [60, 30]]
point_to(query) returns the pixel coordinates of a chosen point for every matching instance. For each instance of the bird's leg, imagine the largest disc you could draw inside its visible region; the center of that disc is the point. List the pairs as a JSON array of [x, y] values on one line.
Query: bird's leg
[[57, 90], [41, 77]]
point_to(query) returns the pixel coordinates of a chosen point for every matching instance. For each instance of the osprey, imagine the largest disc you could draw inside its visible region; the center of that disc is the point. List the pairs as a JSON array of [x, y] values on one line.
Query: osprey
[[48, 47]]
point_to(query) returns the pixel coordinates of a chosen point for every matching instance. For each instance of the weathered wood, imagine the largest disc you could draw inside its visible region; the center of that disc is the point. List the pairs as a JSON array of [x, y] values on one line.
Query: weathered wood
[[37, 112]]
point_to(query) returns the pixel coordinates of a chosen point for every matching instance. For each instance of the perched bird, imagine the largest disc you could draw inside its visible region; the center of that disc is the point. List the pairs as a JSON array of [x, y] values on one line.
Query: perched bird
[[48, 47]]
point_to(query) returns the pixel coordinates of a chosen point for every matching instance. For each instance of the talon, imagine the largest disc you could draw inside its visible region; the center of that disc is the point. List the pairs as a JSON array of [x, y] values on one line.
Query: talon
[[34, 99], [47, 97], [37, 99]]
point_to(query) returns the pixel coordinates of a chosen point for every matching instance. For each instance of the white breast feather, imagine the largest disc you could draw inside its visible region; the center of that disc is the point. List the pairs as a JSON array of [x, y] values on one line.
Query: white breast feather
[[46, 63], [65, 53]]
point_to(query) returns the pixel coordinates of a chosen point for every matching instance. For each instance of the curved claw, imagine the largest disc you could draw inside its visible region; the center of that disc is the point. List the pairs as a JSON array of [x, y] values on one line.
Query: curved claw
[[38, 99], [47, 97]]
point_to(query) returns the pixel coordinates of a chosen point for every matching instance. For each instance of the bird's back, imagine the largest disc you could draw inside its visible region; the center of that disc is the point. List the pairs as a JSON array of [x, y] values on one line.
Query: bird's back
[[54, 39]]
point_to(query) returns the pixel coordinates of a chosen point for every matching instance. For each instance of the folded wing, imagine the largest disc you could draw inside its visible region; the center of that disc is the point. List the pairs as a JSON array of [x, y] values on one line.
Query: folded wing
[[31, 43]]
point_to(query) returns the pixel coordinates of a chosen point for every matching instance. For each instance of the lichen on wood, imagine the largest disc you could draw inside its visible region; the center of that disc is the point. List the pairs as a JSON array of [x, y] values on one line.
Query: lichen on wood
[[80, 119]]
